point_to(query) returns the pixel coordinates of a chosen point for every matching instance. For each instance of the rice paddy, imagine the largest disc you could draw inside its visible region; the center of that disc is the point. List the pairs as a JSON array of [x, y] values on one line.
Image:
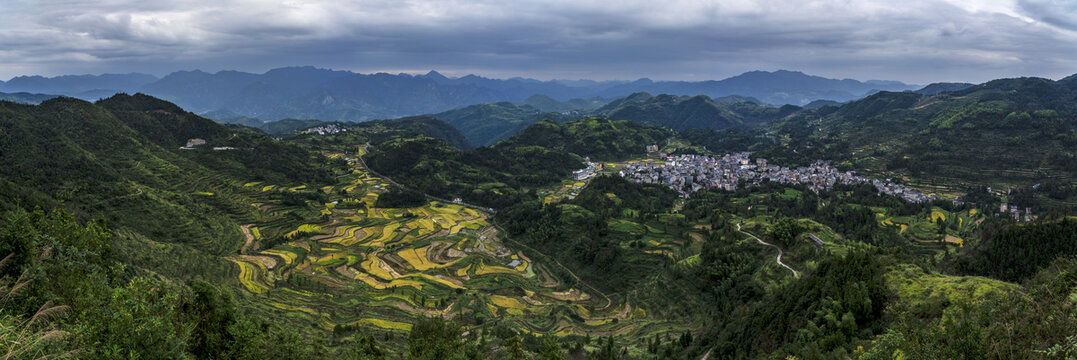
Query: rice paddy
[[345, 261]]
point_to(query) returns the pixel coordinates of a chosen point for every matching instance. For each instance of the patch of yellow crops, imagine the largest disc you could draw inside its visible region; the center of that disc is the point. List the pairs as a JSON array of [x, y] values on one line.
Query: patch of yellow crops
[[903, 228], [483, 269], [583, 311], [597, 322], [417, 258], [352, 235], [257, 233], [972, 212], [374, 283], [370, 199], [288, 256], [304, 229], [492, 308], [373, 266], [246, 276], [293, 308], [297, 188], [268, 187], [428, 225], [328, 258], [388, 232], [463, 271], [565, 332], [507, 302], [434, 279], [384, 324], [456, 228], [252, 183], [522, 267], [935, 214], [203, 193]]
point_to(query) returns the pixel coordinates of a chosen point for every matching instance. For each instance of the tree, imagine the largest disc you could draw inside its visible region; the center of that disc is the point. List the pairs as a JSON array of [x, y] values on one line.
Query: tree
[[785, 231]]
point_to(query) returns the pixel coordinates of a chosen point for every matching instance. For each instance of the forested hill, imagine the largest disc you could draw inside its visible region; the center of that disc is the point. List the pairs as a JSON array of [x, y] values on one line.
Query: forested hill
[[25, 97], [696, 112], [495, 176], [485, 124], [1009, 131], [601, 139], [421, 125], [120, 159]]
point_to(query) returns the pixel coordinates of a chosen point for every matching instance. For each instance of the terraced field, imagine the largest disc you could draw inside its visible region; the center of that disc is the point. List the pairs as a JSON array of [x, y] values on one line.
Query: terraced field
[[347, 262]]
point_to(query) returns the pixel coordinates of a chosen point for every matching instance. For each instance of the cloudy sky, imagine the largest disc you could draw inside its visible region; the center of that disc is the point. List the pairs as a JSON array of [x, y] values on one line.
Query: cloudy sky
[[916, 41]]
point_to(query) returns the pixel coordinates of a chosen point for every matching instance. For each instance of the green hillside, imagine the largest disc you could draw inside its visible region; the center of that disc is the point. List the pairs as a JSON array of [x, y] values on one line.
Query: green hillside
[[598, 138], [697, 112], [485, 124]]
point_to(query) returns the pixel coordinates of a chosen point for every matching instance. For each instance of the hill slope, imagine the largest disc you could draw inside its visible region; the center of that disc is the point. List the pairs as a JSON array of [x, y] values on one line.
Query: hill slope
[[485, 124], [697, 112], [1005, 132]]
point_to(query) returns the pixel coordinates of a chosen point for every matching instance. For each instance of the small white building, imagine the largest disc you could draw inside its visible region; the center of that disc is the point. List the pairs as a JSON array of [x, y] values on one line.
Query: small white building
[[195, 142]]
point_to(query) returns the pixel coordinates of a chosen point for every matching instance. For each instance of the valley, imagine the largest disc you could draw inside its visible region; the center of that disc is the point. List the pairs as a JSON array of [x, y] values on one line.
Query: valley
[[583, 237]]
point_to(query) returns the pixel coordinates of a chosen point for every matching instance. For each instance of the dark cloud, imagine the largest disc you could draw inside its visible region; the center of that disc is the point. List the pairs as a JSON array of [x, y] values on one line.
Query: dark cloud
[[925, 41]]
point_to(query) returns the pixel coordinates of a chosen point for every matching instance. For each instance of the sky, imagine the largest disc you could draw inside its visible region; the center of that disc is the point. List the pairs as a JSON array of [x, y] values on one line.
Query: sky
[[915, 41]]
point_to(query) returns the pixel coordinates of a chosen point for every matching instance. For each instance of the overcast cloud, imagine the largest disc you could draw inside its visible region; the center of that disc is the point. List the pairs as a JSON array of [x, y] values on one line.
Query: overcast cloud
[[912, 41]]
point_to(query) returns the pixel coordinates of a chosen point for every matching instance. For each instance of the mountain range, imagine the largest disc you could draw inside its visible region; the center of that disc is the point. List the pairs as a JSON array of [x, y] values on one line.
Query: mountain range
[[331, 95]]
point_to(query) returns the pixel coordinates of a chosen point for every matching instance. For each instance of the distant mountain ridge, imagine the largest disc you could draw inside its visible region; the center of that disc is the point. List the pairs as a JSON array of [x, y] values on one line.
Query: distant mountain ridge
[[25, 97], [333, 95], [87, 87]]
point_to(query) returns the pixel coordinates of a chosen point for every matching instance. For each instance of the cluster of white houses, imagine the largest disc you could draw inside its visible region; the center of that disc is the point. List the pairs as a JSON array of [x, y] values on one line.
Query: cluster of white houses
[[689, 173], [587, 172], [328, 129]]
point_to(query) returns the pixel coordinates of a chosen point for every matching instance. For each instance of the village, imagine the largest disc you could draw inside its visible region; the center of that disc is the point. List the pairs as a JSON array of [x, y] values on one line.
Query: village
[[689, 173]]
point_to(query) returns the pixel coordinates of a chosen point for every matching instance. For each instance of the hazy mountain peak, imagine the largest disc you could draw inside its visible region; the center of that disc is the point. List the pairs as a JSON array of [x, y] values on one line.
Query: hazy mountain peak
[[434, 75]]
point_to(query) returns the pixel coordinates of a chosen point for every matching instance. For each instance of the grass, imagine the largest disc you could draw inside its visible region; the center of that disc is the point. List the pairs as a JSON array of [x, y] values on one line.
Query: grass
[[912, 284]]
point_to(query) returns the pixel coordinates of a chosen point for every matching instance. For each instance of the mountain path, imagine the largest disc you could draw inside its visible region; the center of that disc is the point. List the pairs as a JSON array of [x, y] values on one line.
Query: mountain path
[[779, 259]]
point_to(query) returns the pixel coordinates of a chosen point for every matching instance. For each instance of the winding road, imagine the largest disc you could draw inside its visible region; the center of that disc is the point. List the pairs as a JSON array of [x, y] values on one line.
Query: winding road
[[779, 259]]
